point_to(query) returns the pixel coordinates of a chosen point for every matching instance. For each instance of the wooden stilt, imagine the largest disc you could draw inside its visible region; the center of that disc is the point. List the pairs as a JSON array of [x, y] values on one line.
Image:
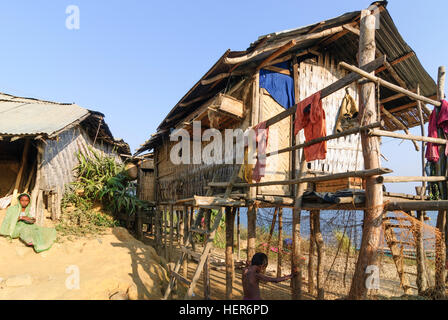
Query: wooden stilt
[[280, 242], [311, 259], [158, 229], [165, 231], [185, 230], [296, 257], [170, 256], [251, 232], [422, 281], [271, 231], [206, 273], [230, 222], [371, 151], [320, 256], [238, 235]]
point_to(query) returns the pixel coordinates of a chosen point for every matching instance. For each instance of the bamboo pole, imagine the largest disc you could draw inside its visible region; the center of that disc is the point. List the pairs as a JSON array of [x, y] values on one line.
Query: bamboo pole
[[327, 138], [410, 179], [280, 243], [171, 232], [238, 235], [251, 232], [399, 124], [422, 131], [382, 133], [311, 262], [181, 232], [354, 174], [389, 85], [186, 226], [34, 194], [371, 151], [271, 230], [206, 274], [230, 222]]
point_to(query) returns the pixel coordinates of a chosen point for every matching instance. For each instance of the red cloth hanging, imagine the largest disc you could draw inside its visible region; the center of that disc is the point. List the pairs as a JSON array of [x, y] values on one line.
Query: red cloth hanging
[[262, 142], [314, 123], [432, 149]]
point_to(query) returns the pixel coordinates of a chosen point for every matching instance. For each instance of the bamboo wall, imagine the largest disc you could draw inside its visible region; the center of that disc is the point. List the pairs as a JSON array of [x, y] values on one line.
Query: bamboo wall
[[59, 158], [344, 154]]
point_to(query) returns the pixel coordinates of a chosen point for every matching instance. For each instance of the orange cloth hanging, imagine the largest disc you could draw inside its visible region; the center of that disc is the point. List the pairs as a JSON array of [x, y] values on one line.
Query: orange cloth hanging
[[314, 123]]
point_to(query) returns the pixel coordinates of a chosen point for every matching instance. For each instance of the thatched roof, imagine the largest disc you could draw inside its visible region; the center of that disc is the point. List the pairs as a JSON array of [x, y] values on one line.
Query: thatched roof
[[343, 44]]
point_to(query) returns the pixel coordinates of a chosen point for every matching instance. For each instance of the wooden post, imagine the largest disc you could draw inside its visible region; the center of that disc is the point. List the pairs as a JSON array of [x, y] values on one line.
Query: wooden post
[[296, 256], [206, 274], [422, 281], [238, 235], [422, 131], [171, 232], [251, 232], [34, 194], [20, 173], [165, 230], [280, 242], [271, 231], [440, 274], [185, 230], [320, 256], [230, 222], [371, 151], [311, 259], [158, 229]]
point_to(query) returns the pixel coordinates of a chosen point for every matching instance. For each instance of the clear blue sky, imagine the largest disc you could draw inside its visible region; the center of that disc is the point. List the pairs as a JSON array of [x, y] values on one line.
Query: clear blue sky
[[133, 60]]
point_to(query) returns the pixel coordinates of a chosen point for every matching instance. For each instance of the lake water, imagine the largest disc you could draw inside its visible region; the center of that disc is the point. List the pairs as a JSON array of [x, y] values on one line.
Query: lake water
[[331, 222]]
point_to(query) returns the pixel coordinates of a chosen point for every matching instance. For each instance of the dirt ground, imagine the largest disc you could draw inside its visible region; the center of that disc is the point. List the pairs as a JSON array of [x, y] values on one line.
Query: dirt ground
[[114, 264], [117, 265]]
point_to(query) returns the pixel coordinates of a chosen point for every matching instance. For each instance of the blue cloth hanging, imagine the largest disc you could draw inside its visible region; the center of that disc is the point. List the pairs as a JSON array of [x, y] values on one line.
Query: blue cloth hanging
[[280, 86]]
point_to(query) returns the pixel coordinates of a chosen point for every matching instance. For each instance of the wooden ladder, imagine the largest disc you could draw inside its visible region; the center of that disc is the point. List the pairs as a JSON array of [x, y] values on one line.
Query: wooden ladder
[[187, 248]]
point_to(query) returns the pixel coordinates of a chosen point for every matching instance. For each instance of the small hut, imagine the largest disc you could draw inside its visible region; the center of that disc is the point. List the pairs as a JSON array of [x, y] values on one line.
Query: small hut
[[39, 142]]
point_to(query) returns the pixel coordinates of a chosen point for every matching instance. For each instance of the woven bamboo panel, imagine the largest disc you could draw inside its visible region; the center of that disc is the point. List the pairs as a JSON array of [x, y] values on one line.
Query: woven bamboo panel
[[344, 154], [277, 167]]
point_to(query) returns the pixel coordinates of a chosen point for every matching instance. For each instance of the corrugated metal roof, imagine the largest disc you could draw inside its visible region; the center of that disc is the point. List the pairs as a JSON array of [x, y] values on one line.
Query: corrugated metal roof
[[19, 117]]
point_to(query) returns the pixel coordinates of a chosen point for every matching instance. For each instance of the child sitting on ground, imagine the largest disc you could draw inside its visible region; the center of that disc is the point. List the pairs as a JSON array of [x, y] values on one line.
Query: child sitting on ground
[[253, 274]]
